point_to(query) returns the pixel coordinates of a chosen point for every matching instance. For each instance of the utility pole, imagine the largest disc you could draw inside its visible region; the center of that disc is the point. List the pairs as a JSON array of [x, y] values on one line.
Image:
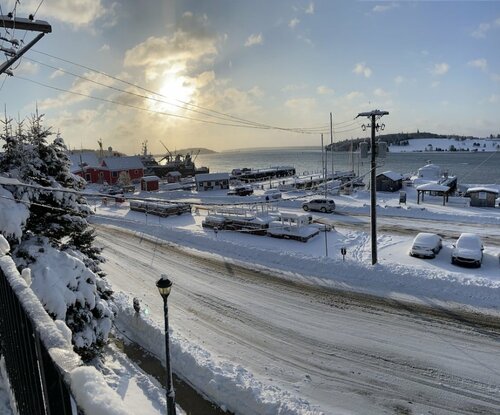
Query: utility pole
[[9, 22], [373, 116], [331, 142]]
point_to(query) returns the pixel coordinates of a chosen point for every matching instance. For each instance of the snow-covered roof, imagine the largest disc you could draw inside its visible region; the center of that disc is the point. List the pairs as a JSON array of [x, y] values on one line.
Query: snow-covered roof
[[433, 187], [391, 175], [123, 163], [174, 173], [150, 178], [211, 176], [482, 189], [85, 158]]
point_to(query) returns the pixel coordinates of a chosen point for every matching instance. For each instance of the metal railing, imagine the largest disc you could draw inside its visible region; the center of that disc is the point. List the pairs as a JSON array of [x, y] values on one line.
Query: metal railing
[[35, 379]]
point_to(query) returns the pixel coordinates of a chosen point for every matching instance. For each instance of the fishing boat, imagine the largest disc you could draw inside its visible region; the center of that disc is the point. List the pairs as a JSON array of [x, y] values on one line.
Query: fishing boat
[[182, 163]]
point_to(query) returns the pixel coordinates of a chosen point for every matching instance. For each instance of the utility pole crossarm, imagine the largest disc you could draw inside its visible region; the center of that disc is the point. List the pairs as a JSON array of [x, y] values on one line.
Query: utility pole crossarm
[[371, 113], [20, 23], [25, 24]]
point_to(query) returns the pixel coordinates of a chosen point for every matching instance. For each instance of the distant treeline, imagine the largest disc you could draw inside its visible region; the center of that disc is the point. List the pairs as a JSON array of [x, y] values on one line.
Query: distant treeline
[[397, 139]]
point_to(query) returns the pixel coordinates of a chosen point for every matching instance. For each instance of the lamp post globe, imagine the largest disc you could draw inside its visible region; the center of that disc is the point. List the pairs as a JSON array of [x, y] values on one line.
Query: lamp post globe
[[164, 286]]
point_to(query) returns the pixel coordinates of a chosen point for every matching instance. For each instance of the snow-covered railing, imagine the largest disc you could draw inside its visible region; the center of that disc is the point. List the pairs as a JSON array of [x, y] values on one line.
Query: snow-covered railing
[[45, 375]]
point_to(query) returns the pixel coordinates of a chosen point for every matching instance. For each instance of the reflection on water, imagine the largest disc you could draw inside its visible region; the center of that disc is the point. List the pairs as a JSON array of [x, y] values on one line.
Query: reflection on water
[[187, 397]]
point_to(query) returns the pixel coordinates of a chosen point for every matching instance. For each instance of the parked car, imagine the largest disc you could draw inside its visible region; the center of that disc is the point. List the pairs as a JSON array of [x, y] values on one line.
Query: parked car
[[468, 250], [241, 191], [320, 205], [426, 245]]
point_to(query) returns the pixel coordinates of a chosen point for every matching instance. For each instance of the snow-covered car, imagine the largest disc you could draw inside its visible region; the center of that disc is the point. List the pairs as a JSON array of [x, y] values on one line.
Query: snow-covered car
[[468, 250], [241, 191], [426, 245], [320, 205]]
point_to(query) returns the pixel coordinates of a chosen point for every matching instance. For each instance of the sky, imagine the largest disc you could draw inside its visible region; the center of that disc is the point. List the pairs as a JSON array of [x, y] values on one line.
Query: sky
[[230, 74]]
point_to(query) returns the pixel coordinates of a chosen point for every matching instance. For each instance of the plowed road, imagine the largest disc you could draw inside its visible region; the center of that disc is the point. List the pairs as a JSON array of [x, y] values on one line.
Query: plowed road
[[343, 353]]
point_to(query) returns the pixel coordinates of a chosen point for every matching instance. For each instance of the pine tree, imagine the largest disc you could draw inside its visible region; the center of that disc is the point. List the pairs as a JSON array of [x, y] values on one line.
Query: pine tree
[[58, 220]]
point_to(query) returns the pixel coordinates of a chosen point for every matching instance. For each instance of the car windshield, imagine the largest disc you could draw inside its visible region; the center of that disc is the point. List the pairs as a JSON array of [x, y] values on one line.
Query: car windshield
[[469, 243]]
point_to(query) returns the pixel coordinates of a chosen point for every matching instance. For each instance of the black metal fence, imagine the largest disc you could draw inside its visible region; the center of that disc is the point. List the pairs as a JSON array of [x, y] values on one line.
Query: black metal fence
[[35, 380]]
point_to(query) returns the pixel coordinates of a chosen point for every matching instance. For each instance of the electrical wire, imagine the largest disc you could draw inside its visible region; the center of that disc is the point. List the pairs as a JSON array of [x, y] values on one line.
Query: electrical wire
[[186, 105]]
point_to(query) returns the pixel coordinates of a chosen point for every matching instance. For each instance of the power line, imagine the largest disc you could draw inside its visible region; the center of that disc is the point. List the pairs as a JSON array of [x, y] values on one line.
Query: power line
[[186, 105]]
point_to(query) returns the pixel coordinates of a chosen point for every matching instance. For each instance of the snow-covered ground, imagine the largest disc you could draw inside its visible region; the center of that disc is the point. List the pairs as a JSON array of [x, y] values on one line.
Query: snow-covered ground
[[397, 276], [444, 144]]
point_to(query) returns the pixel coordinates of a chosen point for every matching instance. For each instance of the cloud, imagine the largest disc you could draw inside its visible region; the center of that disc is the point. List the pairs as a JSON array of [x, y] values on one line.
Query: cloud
[[353, 95], [435, 84], [26, 68], [379, 92], [79, 14], [301, 104], [254, 40], [176, 51], [380, 8], [324, 90], [484, 28], [479, 63], [399, 79], [362, 69], [294, 22], [310, 8], [440, 68], [293, 87], [104, 48], [494, 99], [56, 74]]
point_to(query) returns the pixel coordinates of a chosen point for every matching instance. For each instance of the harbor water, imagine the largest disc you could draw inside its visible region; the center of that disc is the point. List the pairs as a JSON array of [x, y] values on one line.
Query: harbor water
[[469, 167]]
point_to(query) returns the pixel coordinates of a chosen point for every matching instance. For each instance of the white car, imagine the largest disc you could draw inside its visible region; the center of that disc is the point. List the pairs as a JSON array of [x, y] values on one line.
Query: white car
[[319, 205], [426, 245], [468, 250]]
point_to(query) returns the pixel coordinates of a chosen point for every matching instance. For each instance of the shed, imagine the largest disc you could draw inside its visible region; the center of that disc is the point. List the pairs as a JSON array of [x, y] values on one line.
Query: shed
[[389, 181], [209, 181], [150, 183], [482, 196], [433, 189], [173, 177]]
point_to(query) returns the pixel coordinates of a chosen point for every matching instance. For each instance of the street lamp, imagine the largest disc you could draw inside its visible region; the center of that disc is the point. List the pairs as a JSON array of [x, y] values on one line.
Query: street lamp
[[164, 286]]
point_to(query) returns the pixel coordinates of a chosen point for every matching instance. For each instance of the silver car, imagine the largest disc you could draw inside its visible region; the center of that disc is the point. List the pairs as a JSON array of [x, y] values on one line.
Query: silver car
[[468, 250], [319, 205], [426, 245]]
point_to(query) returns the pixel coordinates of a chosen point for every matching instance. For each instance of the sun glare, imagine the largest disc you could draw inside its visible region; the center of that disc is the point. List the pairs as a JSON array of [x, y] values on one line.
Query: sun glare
[[175, 91]]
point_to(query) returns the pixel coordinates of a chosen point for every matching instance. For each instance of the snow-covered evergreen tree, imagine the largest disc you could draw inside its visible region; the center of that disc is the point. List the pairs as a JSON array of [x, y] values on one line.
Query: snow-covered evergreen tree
[[57, 226]]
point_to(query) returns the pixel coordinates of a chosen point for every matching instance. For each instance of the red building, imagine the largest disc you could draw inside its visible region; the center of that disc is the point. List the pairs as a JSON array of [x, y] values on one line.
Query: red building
[[93, 170], [115, 165], [150, 183]]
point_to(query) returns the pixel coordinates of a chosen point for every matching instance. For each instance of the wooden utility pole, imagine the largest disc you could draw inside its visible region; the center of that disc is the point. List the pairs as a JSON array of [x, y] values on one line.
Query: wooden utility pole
[[8, 22], [373, 116]]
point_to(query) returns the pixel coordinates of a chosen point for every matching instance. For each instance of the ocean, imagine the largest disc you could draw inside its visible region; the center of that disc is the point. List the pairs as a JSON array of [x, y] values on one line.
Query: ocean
[[469, 167]]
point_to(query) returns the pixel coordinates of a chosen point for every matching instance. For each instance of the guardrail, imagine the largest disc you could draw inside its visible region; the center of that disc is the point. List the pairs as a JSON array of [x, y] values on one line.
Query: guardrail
[[35, 380]]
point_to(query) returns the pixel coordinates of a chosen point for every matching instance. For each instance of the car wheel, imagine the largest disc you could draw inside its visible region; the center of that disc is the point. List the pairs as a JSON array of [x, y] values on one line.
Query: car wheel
[[305, 207], [478, 264], [453, 261], [323, 210]]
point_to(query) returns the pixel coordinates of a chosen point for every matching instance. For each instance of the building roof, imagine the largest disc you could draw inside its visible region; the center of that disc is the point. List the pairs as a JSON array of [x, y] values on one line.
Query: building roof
[[174, 173], [81, 159], [433, 187], [150, 178], [211, 176], [123, 163], [391, 175], [482, 189]]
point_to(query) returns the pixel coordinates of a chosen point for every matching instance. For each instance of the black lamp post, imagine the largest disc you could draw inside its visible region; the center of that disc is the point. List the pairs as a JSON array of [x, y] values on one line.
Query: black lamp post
[[164, 286]]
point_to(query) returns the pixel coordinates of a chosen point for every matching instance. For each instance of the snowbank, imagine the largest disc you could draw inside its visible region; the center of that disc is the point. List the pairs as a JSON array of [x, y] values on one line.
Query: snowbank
[[87, 385], [231, 386]]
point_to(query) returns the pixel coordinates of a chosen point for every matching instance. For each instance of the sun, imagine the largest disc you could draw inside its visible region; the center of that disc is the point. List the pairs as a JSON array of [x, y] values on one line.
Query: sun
[[175, 92]]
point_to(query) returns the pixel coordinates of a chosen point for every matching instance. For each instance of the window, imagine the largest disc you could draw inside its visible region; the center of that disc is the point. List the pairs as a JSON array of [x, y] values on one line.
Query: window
[[114, 174], [136, 171], [481, 195]]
